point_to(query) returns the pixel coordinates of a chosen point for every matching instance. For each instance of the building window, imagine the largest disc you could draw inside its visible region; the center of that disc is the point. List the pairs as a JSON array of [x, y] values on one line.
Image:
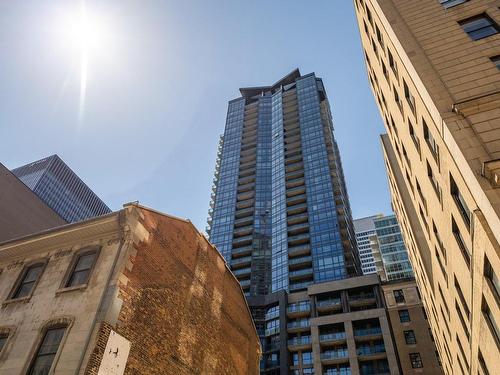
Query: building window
[[460, 201], [416, 361], [3, 340], [492, 321], [397, 99], [404, 316], [392, 63], [369, 15], [399, 296], [451, 3], [379, 36], [431, 142], [479, 27], [29, 279], [433, 180], [460, 241], [410, 337], [496, 60], [82, 267], [482, 363], [492, 277], [44, 357], [409, 97], [307, 358], [413, 136]]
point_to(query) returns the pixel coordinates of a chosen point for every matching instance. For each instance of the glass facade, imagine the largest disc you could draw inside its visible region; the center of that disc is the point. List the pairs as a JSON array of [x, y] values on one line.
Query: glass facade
[[392, 249], [281, 215], [61, 189]]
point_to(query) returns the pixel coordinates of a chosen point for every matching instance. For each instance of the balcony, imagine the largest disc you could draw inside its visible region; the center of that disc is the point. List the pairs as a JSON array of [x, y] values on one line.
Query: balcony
[[294, 251], [333, 337], [296, 219], [294, 182], [333, 355], [243, 221], [242, 241], [298, 325], [298, 239], [294, 167], [294, 287], [374, 350], [297, 208], [246, 179], [241, 262], [298, 262], [243, 231], [299, 309], [245, 204], [295, 191], [298, 343], [331, 304], [297, 199], [300, 274], [243, 272], [298, 228], [356, 300], [241, 251], [244, 213], [246, 187], [368, 333], [245, 283]]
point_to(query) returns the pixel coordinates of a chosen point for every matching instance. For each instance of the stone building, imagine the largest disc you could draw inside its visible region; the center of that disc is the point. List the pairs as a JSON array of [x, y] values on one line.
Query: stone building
[[132, 292], [433, 66], [22, 212], [410, 328]]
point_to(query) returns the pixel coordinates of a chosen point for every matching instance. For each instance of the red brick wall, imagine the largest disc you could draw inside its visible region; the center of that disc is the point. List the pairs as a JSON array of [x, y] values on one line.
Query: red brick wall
[[183, 311]]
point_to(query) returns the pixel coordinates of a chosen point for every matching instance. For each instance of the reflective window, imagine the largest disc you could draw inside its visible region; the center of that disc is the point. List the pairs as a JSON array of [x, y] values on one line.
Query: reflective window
[[46, 353], [28, 281], [81, 271], [479, 27]]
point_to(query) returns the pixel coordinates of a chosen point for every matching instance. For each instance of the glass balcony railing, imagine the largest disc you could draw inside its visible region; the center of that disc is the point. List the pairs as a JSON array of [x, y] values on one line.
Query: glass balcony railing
[[335, 354], [304, 323], [329, 302], [369, 350], [368, 331], [302, 307], [332, 336], [359, 297], [304, 340], [301, 260], [303, 272]]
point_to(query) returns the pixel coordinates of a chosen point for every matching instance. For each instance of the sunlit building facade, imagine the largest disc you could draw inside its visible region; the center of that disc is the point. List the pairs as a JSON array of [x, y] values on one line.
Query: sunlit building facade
[[61, 189], [433, 66]]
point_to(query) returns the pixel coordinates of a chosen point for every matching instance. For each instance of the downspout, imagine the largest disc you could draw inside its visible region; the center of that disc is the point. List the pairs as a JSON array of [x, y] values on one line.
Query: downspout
[[121, 224]]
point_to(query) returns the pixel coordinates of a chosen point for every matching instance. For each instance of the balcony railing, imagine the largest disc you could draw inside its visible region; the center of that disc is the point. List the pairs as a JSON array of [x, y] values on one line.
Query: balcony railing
[[298, 308], [303, 323], [368, 331], [359, 297], [329, 302], [335, 354], [304, 340], [369, 350], [332, 336]]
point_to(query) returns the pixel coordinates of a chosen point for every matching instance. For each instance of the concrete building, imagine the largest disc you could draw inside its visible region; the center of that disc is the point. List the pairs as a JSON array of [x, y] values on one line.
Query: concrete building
[[363, 229], [433, 69], [61, 189], [21, 211], [131, 292], [410, 328]]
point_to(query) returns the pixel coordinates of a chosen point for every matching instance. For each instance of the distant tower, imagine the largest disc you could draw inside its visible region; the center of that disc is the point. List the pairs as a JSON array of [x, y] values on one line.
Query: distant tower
[[61, 189]]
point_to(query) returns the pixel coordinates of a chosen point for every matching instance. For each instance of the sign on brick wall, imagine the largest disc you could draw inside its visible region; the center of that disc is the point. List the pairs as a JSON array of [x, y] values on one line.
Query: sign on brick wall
[[115, 355]]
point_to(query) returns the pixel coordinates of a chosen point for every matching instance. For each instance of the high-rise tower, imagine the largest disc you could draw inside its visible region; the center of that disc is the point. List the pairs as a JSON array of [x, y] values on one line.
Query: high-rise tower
[[280, 212], [434, 70], [61, 189]]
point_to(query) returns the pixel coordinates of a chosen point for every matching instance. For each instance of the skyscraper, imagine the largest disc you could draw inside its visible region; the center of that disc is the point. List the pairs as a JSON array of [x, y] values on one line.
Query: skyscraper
[[364, 229], [281, 214], [61, 189], [433, 67]]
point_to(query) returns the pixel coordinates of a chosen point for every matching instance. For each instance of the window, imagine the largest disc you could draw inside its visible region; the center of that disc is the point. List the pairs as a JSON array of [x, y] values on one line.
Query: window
[[307, 358], [81, 269], [479, 27], [42, 362], [416, 361], [404, 316], [460, 201], [28, 280], [399, 296], [409, 97], [379, 36], [460, 241], [3, 340], [496, 60], [451, 3], [392, 63], [369, 15], [492, 321], [433, 181], [413, 135], [431, 142], [492, 278], [410, 337], [397, 99]]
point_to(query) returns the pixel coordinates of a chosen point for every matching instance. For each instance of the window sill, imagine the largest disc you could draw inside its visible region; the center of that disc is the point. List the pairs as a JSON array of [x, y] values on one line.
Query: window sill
[[71, 289], [16, 300]]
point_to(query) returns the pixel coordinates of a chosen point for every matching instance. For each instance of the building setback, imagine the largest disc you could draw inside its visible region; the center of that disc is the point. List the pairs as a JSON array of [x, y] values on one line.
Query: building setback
[[61, 189], [131, 292], [433, 67], [22, 212]]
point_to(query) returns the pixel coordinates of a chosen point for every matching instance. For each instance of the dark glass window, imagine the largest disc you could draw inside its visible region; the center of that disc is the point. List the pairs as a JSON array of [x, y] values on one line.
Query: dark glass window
[[404, 316], [451, 3], [431, 142], [28, 281], [496, 60], [416, 361], [410, 337], [460, 201], [399, 295], [3, 340], [47, 351], [409, 97], [81, 271], [392, 63], [479, 27]]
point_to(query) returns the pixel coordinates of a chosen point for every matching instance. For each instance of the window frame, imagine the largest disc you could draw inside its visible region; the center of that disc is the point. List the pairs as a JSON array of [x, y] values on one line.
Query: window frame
[[71, 268], [447, 4], [19, 281], [400, 295], [405, 311], [410, 332], [496, 61], [416, 360], [476, 17], [7, 333]]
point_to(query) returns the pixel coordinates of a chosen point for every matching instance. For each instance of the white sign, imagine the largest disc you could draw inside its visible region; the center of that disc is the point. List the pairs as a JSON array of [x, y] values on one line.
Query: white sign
[[115, 355]]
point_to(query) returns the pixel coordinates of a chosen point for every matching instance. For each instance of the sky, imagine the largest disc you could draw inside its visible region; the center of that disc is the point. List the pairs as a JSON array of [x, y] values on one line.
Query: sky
[[136, 109]]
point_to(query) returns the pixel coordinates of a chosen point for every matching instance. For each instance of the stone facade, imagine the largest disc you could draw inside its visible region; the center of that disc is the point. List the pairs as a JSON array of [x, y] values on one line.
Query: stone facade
[[155, 281], [437, 87], [412, 336]]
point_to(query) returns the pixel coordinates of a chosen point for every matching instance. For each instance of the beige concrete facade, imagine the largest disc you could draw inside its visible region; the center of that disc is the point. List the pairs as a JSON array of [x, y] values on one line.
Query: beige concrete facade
[[155, 281], [438, 92], [412, 335], [344, 325]]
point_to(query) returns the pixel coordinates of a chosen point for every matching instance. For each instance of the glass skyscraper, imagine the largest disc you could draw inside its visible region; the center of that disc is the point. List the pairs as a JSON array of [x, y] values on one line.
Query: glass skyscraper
[[61, 189], [280, 213]]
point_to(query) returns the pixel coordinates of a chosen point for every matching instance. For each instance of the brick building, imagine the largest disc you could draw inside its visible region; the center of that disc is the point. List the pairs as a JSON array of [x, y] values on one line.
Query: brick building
[[131, 292]]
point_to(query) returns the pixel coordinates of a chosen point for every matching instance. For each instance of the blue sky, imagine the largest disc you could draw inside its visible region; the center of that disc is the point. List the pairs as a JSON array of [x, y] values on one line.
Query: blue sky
[[157, 91]]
